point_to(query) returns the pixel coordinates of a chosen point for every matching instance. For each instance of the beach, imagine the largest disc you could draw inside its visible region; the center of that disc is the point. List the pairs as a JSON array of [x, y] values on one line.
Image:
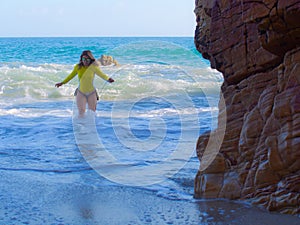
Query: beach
[[68, 198], [133, 161]]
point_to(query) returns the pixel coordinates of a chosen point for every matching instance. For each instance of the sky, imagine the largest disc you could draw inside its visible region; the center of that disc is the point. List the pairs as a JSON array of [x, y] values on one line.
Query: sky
[[61, 18]]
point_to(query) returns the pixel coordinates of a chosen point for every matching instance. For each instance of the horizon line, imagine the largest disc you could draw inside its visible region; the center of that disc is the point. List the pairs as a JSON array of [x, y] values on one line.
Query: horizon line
[[86, 36]]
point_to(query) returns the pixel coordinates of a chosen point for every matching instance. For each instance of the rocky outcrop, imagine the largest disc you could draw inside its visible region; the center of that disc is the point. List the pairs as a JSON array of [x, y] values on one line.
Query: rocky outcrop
[[107, 60], [256, 46]]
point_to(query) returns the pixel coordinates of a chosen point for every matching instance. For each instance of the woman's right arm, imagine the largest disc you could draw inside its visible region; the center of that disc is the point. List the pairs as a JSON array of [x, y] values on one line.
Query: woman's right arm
[[69, 77]]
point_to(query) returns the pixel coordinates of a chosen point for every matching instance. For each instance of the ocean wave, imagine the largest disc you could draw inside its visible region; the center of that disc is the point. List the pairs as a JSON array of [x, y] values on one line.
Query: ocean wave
[[36, 82], [46, 170], [35, 112], [163, 112]]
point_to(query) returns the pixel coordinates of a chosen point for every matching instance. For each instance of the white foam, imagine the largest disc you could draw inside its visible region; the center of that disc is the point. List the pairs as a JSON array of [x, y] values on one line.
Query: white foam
[[132, 81], [34, 112]]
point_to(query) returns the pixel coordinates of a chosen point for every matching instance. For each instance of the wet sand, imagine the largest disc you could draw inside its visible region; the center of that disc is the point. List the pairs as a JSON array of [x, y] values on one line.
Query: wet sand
[[29, 197]]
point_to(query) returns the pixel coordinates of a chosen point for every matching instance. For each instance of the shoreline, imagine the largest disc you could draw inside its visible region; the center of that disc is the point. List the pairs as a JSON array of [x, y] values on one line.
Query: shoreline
[[70, 198]]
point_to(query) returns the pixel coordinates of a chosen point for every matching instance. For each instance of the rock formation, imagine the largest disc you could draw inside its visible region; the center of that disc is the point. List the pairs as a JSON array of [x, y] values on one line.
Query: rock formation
[[107, 60], [256, 46]]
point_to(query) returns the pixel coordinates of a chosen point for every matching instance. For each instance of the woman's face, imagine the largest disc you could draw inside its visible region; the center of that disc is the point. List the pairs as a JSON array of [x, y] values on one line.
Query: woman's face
[[86, 60]]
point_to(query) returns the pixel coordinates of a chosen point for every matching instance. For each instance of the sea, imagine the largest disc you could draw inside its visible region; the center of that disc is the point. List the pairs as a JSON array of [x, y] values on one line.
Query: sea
[[141, 139]]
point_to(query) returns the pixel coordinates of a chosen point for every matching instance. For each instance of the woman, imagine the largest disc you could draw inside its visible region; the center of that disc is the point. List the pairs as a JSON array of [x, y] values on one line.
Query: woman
[[86, 92]]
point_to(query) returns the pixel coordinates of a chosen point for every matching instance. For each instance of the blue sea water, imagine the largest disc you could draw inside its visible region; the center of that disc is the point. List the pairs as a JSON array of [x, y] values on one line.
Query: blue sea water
[[162, 79], [164, 96], [142, 136]]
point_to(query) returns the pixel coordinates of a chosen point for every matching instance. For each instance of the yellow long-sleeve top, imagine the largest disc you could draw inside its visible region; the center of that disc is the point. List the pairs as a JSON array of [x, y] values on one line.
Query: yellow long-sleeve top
[[86, 77]]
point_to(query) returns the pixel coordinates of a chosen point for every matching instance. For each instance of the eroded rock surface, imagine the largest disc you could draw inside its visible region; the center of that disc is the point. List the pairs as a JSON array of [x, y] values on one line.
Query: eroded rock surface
[[256, 46]]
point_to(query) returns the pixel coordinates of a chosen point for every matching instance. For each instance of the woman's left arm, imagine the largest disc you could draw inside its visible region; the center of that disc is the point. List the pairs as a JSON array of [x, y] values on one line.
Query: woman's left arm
[[102, 75]]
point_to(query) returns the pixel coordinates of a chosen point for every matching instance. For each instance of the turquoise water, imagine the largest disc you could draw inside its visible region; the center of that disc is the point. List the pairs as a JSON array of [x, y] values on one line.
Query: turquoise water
[[164, 96], [66, 50]]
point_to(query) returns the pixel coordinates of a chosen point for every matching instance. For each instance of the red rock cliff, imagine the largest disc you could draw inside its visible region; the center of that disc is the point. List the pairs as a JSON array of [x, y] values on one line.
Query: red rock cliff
[[256, 46]]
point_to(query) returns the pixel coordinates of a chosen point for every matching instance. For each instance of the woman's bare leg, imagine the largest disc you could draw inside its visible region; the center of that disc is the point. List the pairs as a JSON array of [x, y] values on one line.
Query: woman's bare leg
[[81, 103], [92, 101]]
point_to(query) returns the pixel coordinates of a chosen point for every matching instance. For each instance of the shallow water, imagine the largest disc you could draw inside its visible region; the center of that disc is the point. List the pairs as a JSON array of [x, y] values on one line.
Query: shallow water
[[164, 96], [133, 161], [80, 197]]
